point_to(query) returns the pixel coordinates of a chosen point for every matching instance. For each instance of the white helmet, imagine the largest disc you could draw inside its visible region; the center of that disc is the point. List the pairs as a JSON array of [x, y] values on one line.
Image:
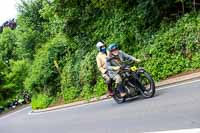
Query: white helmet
[[99, 45]]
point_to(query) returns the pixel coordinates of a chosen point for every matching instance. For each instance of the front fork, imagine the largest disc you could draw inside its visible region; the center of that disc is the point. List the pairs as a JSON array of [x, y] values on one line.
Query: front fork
[[136, 79]]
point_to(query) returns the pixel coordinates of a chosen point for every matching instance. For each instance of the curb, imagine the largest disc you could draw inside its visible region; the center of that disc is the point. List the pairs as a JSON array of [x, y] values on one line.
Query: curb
[[170, 81], [180, 79], [104, 97]]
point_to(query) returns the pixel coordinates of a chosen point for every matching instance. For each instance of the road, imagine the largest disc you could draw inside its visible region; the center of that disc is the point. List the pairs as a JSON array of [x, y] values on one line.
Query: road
[[172, 108]]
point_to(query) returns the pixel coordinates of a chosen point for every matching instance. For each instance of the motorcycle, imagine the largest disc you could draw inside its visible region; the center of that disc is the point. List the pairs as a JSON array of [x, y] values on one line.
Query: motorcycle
[[1, 109], [26, 98], [136, 82], [11, 105]]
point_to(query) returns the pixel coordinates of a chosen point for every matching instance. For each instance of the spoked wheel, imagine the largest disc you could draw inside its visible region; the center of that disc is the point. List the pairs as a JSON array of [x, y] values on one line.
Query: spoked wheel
[[117, 97], [148, 85]]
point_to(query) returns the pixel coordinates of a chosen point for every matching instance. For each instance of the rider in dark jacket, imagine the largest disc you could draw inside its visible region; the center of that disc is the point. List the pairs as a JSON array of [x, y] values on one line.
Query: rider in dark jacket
[[114, 59]]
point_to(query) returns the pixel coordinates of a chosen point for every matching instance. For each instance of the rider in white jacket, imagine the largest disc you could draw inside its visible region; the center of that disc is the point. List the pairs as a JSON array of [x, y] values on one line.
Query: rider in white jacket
[[101, 63]]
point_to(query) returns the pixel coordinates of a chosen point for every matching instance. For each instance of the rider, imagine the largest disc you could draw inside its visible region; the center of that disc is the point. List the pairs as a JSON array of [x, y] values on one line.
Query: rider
[[101, 63], [114, 59]]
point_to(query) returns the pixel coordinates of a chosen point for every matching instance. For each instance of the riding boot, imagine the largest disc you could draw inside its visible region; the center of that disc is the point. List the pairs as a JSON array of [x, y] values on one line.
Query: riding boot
[[110, 91]]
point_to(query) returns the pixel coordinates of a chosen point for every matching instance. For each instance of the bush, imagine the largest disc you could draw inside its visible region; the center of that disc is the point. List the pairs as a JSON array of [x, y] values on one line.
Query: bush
[[45, 71], [7, 45], [174, 49], [87, 92], [100, 88], [40, 101], [18, 73], [70, 73], [88, 69], [70, 94]]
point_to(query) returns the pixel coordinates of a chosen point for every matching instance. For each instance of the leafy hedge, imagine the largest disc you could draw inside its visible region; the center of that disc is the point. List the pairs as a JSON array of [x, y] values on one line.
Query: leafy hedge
[[173, 49], [40, 101], [46, 68]]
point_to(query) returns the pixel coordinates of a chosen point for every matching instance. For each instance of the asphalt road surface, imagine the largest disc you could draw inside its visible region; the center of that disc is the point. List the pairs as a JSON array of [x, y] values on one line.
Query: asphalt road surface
[[173, 108]]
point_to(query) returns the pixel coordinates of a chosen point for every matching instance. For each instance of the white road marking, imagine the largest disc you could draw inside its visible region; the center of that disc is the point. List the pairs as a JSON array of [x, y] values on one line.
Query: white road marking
[[178, 84], [195, 130], [14, 113]]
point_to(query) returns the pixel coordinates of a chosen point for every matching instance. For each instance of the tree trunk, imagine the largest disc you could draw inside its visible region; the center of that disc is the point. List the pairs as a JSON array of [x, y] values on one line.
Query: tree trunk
[[183, 7], [194, 5]]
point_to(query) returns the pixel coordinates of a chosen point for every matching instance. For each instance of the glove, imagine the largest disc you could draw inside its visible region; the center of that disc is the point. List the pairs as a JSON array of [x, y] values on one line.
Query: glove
[[138, 60], [116, 68]]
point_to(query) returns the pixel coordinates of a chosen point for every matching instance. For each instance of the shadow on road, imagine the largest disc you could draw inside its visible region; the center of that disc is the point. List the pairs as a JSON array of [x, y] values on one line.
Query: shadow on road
[[140, 98]]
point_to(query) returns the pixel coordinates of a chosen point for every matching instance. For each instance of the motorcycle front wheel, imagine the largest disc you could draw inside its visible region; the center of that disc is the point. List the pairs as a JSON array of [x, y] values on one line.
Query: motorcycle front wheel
[[148, 85]]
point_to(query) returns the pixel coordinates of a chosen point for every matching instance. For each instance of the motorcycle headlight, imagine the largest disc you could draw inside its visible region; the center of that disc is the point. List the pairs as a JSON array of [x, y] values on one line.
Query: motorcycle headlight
[[133, 68]]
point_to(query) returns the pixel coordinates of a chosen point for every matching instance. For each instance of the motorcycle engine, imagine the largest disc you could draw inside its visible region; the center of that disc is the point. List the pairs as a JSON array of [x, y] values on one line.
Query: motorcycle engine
[[131, 89]]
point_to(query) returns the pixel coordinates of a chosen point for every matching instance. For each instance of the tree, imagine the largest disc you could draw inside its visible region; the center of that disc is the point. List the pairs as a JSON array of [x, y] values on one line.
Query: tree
[[7, 45]]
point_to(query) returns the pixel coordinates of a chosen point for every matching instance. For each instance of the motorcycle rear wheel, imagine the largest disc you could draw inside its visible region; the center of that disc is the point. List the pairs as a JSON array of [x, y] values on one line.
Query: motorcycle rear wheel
[[118, 99]]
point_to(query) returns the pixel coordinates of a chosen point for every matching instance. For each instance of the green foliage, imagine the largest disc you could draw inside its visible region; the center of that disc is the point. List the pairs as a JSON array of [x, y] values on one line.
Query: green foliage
[[27, 43], [32, 28], [44, 72], [29, 15], [3, 71], [68, 75], [70, 94], [18, 73], [40, 101], [7, 45], [173, 50], [195, 60], [88, 69], [100, 88], [87, 92]]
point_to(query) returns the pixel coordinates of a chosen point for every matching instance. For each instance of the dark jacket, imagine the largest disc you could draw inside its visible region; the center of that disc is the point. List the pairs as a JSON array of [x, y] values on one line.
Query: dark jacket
[[112, 61]]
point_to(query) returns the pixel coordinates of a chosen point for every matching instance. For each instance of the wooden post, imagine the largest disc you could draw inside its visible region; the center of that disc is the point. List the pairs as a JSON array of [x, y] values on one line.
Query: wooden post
[[57, 67]]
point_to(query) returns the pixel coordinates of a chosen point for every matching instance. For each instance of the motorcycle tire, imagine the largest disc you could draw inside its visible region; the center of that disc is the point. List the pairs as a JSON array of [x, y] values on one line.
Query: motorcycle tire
[[150, 92], [118, 99]]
